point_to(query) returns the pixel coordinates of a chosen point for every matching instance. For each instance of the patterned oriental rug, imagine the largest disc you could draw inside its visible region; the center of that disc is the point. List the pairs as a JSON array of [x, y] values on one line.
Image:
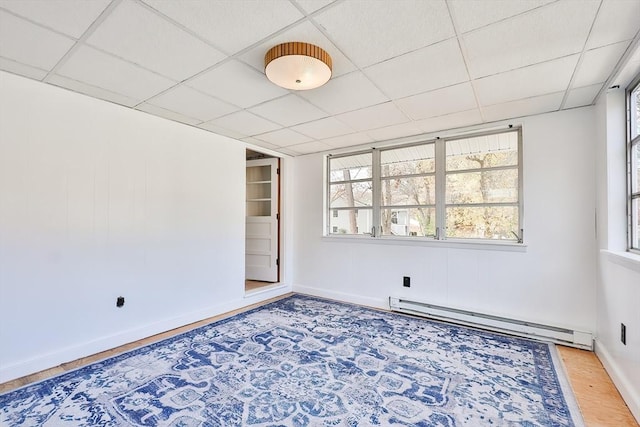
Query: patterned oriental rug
[[305, 361]]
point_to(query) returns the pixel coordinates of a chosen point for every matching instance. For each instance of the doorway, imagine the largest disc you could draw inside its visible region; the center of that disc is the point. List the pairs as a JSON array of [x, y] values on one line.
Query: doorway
[[262, 222]]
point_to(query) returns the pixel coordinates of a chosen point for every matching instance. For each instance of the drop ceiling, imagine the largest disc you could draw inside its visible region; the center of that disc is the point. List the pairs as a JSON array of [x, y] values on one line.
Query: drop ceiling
[[401, 68]]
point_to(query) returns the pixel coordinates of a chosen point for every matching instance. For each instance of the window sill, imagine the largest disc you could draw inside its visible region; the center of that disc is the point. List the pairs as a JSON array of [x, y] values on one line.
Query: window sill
[[625, 259], [426, 242]]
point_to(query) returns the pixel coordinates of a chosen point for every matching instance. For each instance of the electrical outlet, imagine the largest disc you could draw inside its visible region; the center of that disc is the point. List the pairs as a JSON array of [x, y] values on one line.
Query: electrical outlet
[[623, 333], [406, 281], [120, 302]]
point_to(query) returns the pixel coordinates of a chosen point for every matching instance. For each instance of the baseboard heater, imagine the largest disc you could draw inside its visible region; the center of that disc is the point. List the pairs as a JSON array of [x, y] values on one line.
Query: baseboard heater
[[579, 339]]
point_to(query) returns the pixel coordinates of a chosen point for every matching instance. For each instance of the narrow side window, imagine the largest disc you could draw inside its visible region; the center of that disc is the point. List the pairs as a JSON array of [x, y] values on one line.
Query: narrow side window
[[633, 162]]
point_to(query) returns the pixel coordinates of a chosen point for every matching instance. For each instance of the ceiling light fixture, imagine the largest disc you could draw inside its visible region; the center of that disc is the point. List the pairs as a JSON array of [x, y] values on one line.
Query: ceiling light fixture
[[297, 66]]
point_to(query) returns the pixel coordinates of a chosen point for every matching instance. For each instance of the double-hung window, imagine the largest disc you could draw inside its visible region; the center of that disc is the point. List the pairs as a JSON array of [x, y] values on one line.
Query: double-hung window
[[452, 188], [633, 162]]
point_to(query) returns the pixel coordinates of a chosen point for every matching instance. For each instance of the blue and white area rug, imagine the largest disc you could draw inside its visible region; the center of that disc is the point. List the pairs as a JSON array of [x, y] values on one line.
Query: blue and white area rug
[[304, 361]]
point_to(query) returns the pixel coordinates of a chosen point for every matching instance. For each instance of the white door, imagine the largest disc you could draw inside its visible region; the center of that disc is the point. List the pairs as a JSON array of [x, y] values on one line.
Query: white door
[[261, 249]]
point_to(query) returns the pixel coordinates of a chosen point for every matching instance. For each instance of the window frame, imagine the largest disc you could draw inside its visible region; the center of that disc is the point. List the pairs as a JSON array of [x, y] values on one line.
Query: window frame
[[633, 229], [440, 174], [328, 183], [396, 207]]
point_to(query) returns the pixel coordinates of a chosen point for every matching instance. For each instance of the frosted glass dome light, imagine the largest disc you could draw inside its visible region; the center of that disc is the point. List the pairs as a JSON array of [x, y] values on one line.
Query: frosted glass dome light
[[297, 66]]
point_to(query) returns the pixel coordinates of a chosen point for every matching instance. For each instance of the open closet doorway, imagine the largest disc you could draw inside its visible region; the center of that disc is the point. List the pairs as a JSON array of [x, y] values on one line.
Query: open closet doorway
[[262, 222]]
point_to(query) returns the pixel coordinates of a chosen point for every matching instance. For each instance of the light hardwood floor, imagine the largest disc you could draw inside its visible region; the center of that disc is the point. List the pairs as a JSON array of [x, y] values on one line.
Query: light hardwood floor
[[600, 403], [252, 285]]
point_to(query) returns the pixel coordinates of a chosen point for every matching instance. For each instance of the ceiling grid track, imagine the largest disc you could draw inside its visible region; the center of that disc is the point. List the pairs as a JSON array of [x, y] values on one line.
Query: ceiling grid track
[[580, 59], [81, 41], [398, 72], [463, 52]]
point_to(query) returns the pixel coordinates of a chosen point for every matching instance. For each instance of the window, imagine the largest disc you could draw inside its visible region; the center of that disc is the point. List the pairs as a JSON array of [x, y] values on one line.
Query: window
[[457, 188], [482, 187], [351, 193], [407, 197], [633, 161]]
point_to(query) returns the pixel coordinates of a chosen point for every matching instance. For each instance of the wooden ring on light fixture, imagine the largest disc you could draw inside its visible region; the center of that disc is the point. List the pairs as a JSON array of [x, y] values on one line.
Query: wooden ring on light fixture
[[298, 48]]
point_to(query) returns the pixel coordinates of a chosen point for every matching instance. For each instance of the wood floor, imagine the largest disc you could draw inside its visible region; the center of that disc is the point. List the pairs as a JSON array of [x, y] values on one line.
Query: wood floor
[[600, 403], [253, 285]]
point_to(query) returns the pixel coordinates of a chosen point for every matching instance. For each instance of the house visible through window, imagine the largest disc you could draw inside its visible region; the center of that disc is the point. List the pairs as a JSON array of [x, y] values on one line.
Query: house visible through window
[[457, 188], [633, 161], [407, 190], [350, 193]]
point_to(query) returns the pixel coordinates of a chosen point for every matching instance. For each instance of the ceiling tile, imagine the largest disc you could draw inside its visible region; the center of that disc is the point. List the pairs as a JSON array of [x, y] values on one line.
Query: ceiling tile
[[615, 22], [345, 93], [450, 121], [255, 141], [548, 77], [90, 90], [22, 69], [245, 123], [348, 140], [288, 111], [582, 96], [310, 147], [135, 33], [429, 68], [523, 107], [378, 116], [107, 72], [71, 17], [303, 32], [238, 84], [167, 114], [597, 64], [323, 128], [169, 59], [220, 130], [288, 152], [310, 6], [371, 32], [283, 137], [31, 44], [191, 103], [630, 68], [469, 15], [552, 31], [395, 131], [439, 102], [230, 25]]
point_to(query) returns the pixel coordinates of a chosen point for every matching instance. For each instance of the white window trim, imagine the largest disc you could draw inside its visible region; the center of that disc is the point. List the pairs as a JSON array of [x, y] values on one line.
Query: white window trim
[[624, 259], [484, 244], [631, 142], [487, 245]]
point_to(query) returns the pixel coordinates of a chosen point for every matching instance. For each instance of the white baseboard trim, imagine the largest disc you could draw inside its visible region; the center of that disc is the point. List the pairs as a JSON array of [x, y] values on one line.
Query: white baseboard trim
[[39, 363], [629, 393], [382, 303]]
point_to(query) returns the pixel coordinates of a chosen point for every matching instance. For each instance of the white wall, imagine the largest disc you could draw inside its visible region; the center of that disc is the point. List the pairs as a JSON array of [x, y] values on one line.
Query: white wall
[[99, 201], [551, 282], [618, 286]]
